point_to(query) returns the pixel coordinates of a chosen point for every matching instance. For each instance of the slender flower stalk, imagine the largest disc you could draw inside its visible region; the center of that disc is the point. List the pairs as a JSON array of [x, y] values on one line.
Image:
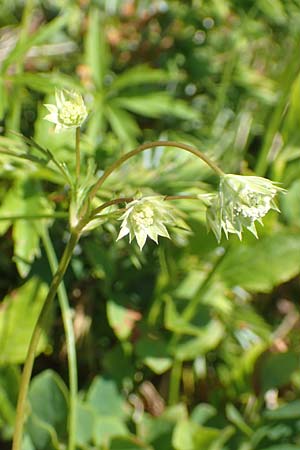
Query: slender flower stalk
[[77, 155], [147, 146], [27, 370]]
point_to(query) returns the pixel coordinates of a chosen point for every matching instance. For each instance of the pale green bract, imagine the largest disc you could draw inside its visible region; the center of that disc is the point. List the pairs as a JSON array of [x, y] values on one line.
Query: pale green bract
[[69, 111], [147, 217], [240, 202]]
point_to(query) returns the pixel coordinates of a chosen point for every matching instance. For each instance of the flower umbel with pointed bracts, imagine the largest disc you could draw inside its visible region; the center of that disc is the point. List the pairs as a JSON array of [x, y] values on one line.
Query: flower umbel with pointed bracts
[[147, 217], [69, 111], [240, 202]]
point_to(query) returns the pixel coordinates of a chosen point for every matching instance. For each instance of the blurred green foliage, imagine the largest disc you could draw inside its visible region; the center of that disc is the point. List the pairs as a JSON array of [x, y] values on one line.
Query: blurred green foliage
[[190, 345]]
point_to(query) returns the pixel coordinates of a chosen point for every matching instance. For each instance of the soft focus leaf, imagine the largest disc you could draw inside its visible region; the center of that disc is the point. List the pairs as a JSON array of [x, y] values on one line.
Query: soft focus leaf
[[21, 307]]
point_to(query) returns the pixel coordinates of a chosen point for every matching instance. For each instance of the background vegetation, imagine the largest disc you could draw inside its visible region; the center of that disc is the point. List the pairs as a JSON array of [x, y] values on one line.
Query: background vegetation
[[189, 345]]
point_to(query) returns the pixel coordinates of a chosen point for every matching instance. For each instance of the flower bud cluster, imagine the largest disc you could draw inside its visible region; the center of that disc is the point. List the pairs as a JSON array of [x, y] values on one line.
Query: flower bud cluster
[[240, 202], [69, 111], [147, 217]]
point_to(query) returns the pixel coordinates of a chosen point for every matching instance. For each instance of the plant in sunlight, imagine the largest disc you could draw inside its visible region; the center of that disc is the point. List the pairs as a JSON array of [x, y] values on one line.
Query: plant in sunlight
[[239, 203]]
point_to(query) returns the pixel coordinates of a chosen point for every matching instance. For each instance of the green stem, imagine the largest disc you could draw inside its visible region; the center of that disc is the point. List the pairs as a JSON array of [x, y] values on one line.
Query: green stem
[[175, 378], [147, 146], [189, 312], [27, 370], [70, 337], [77, 155]]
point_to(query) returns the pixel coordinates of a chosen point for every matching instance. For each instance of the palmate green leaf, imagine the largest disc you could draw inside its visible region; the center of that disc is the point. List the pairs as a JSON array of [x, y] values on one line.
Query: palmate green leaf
[[123, 124], [248, 265], [108, 427], [156, 105], [85, 418], [104, 398], [21, 307], [47, 423]]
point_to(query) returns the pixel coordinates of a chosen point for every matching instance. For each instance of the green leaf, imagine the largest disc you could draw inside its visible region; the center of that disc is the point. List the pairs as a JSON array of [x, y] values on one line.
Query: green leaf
[[289, 411], [9, 386], [45, 82], [154, 354], [85, 421], [121, 319], [42, 435], [47, 423], [21, 307], [203, 412], [190, 436], [277, 369], [236, 418], [122, 124], [128, 443], [248, 265], [104, 398], [48, 399], [105, 428], [283, 447], [24, 199], [290, 205], [208, 339], [157, 104], [96, 49], [140, 75]]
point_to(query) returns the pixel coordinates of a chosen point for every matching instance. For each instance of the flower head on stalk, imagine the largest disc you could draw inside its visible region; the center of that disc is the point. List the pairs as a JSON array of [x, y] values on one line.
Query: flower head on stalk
[[240, 202], [69, 111], [147, 217]]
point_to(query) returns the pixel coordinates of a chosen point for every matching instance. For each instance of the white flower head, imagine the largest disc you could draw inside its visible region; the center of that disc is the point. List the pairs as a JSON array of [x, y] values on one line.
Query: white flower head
[[147, 217], [69, 111], [240, 202]]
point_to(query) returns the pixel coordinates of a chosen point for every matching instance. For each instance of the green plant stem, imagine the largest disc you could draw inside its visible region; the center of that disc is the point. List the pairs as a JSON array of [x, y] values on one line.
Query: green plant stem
[[70, 338], [147, 146], [77, 155], [27, 370], [189, 312], [175, 378]]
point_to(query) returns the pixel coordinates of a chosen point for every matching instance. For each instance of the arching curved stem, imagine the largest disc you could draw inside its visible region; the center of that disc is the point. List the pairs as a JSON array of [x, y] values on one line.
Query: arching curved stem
[[149, 145]]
